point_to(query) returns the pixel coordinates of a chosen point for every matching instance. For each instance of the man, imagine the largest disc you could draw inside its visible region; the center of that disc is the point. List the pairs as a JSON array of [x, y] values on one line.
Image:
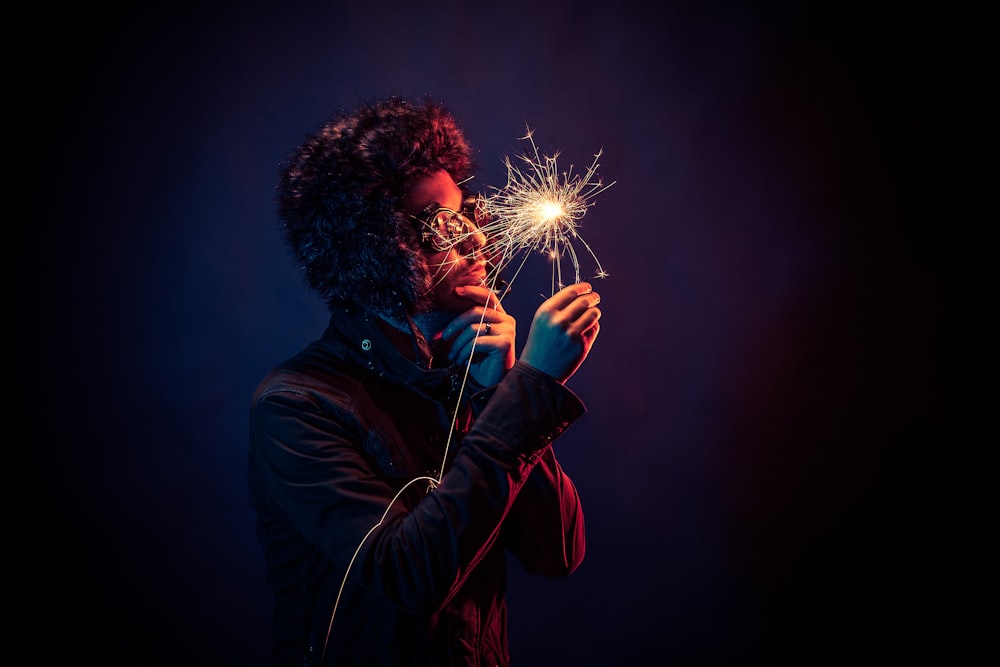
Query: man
[[397, 459]]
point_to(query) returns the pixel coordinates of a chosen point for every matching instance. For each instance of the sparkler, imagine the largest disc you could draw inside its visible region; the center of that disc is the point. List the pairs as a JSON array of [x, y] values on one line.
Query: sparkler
[[539, 209]]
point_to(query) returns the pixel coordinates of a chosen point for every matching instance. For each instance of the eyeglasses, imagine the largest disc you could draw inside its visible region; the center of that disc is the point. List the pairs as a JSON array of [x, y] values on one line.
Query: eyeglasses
[[444, 228]]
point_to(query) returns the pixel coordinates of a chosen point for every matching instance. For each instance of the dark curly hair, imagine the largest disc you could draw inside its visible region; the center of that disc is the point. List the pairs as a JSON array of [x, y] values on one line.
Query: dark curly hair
[[339, 201]]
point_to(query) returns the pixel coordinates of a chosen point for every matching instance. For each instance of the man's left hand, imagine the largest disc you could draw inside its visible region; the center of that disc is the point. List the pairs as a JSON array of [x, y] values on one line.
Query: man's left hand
[[485, 331]]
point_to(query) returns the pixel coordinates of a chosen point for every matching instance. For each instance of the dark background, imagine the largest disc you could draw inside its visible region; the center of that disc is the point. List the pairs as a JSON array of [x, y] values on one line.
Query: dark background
[[778, 464]]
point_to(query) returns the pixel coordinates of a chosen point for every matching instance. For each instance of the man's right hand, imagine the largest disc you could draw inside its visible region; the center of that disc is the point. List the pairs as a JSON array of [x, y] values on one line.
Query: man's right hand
[[563, 331]]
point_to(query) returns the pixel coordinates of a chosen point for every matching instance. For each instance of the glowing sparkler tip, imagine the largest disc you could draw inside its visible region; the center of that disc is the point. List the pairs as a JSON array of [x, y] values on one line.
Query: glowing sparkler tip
[[550, 210], [539, 209]]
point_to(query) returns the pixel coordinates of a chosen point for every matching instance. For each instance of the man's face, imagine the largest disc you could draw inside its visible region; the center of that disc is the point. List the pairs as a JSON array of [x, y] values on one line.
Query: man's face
[[461, 264]]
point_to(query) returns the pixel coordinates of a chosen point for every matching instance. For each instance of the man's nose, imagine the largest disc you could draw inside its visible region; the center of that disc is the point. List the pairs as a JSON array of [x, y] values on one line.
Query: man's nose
[[476, 240]]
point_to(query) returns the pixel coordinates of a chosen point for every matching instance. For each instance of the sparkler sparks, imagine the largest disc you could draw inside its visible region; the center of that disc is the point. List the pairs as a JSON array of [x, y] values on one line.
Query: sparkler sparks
[[539, 209]]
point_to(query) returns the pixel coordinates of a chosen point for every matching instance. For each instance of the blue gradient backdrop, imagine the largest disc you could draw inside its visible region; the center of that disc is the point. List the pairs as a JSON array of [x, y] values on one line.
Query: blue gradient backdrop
[[778, 408]]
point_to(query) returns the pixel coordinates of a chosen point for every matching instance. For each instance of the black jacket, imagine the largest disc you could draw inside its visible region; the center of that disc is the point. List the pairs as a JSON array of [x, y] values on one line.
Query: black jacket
[[346, 441]]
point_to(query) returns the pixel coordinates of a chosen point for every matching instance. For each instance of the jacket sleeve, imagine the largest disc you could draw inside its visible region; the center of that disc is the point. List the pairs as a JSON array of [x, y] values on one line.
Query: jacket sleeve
[[545, 528], [312, 468]]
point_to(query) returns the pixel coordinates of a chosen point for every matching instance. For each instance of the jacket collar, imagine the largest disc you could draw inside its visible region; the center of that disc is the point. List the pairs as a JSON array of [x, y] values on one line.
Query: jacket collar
[[361, 339]]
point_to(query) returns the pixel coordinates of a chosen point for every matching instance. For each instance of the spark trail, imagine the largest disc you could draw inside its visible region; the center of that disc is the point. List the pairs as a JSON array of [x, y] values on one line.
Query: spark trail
[[539, 210]]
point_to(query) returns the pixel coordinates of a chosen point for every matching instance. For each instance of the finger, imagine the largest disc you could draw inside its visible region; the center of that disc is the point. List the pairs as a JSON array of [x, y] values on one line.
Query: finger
[[485, 335], [577, 309], [590, 335], [587, 320], [479, 295], [462, 352], [582, 304], [463, 321], [494, 329], [568, 294], [475, 319]]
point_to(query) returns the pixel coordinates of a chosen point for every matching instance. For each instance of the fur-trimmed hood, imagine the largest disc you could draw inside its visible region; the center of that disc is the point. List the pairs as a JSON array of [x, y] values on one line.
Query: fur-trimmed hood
[[339, 200]]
